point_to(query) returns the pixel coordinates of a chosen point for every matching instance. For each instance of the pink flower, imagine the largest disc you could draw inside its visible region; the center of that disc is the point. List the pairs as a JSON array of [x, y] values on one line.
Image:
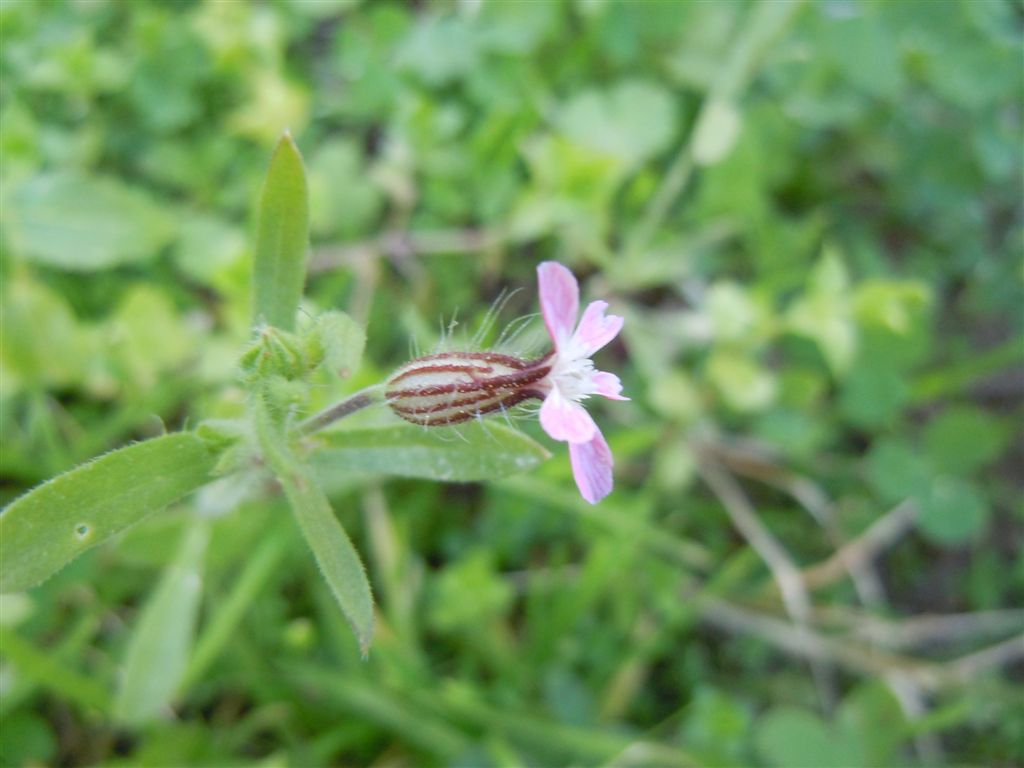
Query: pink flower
[[573, 378]]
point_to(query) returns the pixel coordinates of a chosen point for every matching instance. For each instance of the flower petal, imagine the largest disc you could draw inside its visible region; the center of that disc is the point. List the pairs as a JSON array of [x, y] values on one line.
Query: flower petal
[[595, 329], [559, 300], [565, 420], [607, 385], [592, 467]]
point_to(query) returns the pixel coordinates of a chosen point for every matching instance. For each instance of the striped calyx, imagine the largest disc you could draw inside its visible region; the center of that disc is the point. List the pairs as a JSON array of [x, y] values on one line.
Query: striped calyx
[[451, 387]]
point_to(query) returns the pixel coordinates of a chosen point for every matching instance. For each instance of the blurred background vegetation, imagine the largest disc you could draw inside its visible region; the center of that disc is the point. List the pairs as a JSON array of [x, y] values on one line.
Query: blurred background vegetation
[[810, 215]]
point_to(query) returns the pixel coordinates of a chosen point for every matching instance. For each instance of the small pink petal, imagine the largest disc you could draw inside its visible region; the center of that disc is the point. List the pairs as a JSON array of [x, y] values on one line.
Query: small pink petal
[[607, 385], [592, 467], [595, 329], [565, 420], [559, 300]]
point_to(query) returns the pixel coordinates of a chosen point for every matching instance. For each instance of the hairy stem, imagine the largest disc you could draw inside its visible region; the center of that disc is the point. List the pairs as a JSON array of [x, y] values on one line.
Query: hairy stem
[[361, 399]]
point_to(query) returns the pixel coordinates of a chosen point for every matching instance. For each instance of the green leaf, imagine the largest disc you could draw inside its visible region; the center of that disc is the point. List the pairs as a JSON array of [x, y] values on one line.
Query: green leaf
[[871, 714], [49, 671], [717, 129], [82, 223], [952, 511], [632, 120], [468, 594], [483, 452], [41, 342], [964, 439], [341, 339], [338, 560], [873, 393], [716, 726], [57, 521], [343, 199], [160, 645], [282, 236], [29, 740], [896, 470], [743, 383], [796, 738], [823, 312]]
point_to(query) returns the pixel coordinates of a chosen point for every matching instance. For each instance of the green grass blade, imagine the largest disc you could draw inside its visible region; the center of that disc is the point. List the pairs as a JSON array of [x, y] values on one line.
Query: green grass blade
[[484, 453], [159, 649], [59, 520], [282, 236], [51, 673], [217, 635]]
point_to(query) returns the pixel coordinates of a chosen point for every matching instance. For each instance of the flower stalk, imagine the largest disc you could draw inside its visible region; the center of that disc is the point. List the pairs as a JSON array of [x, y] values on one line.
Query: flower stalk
[[351, 404]]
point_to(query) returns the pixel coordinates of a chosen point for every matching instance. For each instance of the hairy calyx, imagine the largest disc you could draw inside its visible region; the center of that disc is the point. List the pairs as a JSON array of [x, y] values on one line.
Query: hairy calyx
[[452, 387]]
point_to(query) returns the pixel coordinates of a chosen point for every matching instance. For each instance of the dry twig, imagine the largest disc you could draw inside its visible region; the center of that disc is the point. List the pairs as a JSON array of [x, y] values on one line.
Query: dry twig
[[786, 574]]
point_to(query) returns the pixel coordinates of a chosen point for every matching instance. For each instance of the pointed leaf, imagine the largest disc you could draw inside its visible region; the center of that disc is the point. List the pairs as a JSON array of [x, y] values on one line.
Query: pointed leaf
[[281, 239], [57, 521], [338, 560]]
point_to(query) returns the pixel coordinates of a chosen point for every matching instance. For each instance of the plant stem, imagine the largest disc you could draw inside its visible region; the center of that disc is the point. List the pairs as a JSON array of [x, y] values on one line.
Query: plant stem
[[331, 414]]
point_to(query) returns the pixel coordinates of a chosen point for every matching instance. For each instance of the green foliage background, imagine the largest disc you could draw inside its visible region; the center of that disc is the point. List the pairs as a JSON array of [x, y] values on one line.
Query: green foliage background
[[810, 216]]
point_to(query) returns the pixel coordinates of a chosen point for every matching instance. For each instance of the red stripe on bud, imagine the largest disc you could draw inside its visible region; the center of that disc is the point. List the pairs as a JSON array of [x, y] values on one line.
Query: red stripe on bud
[[452, 387]]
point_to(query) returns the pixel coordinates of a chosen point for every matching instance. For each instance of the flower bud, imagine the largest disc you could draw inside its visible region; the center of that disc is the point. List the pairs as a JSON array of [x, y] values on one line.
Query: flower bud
[[278, 353], [451, 387]]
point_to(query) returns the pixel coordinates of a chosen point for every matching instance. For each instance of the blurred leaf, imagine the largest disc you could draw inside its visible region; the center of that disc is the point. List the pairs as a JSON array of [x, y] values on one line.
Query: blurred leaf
[[873, 394], [28, 740], [166, 98], [161, 642], [632, 120], [275, 104], [717, 726], [468, 594], [715, 133], [343, 201], [483, 452], [440, 49], [41, 343], [208, 247], [146, 337], [742, 382], [823, 312], [83, 223], [703, 42], [863, 49], [15, 607], [282, 238], [874, 717], [735, 314], [57, 521], [364, 40], [964, 439], [893, 316], [796, 738], [518, 28], [952, 511], [896, 470]]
